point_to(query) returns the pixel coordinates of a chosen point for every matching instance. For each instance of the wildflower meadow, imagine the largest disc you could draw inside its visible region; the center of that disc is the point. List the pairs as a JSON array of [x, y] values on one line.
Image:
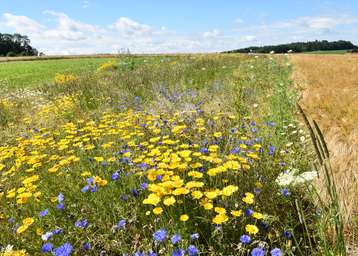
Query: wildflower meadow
[[165, 155]]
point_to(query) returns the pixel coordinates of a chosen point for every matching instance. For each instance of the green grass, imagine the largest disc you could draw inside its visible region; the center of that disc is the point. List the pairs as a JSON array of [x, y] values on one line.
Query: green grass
[[328, 52], [26, 74]]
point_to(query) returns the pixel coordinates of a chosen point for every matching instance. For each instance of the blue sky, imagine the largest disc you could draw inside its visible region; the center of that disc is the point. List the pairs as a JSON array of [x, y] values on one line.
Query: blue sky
[[92, 26]]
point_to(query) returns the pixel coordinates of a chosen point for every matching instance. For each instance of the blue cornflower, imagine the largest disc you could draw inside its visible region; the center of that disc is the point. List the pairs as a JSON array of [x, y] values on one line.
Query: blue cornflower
[[63, 250], [175, 238], [139, 253], [134, 192], [94, 188], [90, 180], [235, 150], [192, 250], [245, 239], [86, 246], [60, 206], [121, 224], [60, 197], [85, 188], [160, 235], [178, 252], [144, 185], [124, 197], [194, 236], [204, 150], [152, 253], [285, 192], [43, 213], [57, 231], [257, 252], [159, 177], [115, 175], [271, 150], [83, 223], [287, 234], [249, 212], [47, 247], [276, 252]]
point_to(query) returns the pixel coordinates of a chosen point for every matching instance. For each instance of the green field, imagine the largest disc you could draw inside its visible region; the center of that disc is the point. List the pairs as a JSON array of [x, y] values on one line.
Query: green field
[[328, 52], [25, 74]]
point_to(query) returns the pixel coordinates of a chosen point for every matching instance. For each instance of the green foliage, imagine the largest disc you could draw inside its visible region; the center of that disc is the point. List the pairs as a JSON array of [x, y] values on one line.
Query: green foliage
[[16, 45], [300, 47]]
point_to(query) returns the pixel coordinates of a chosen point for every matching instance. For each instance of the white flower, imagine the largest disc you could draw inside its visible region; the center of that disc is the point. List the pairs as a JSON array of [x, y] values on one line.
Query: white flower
[[46, 236], [292, 177]]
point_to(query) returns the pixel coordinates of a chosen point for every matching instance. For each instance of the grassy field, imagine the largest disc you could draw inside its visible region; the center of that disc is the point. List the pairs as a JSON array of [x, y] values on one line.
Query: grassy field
[[330, 95], [328, 52], [25, 74], [162, 155]]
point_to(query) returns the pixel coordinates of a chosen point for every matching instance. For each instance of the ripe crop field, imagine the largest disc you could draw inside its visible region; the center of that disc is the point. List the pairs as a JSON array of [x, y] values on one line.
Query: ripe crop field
[[330, 95], [162, 155]]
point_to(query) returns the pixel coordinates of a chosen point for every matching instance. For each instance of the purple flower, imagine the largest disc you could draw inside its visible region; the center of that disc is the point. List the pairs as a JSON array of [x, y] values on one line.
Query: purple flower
[[57, 231], [245, 239], [43, 213], [85, 188], [159, 177], [152, 253], [83, 223], [60, 206], [94, 189], [134, 192], [160, 235], [285, 192], [121, 224], [144, 185], [276, 252], [204, 150], [115, 175], [139, 253], [175, 238], [249, 212], [63, 250], [86, 246], [194, 236], [287, 234], [178, 252], [47, 247], [60, 197], [257, 252], [192, 250], [271, 150]]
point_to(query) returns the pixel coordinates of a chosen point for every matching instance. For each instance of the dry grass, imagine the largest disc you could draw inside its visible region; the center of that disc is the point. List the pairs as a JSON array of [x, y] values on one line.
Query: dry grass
[[330, 95]]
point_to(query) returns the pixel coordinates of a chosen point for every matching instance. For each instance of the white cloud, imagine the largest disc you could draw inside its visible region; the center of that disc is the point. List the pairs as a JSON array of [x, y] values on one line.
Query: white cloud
[[69, 36], [21, 24], [212, 33]]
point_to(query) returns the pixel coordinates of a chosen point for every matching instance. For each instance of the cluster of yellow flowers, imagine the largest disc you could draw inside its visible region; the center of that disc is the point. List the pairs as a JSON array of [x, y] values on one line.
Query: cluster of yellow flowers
[[65, 78], [107, 66], [56, 108], [169, 153]]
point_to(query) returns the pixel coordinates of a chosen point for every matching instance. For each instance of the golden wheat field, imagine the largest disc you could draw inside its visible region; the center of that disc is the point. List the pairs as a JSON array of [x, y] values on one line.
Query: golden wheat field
[[329, 86]]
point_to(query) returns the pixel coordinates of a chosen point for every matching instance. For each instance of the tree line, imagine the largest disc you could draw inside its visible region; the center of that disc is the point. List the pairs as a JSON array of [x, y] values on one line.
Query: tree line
[[311, 46], [16, 45]]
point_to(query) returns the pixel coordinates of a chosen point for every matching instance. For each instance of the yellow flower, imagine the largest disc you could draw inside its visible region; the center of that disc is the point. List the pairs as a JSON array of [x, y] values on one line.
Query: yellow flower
[[197, 194], [236, 213], [22, 229], [157, 210], [229, 190], [251, 229], [257, 215], [184, 217], [28, 221], [249, 198], [220, 210], [208, 206], [220, 218], [39, 231], [98, 158], [169, 201], [152, 199], [218, 134]]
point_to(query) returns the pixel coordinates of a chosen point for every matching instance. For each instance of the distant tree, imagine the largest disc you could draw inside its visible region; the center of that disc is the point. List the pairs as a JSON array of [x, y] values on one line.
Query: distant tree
[[323, 45], [16, 45]]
